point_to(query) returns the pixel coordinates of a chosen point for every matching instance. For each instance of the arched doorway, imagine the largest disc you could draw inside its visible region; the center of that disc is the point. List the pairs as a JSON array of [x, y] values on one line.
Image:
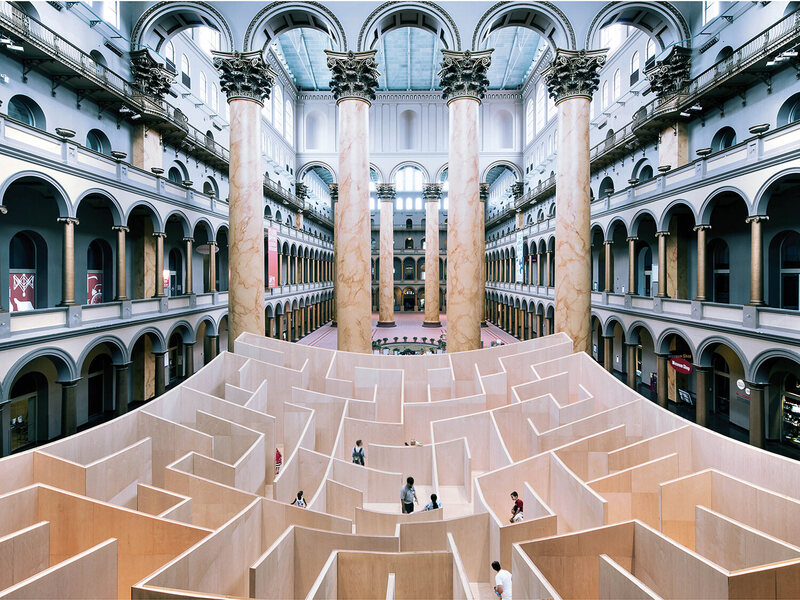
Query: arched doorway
[[409, 299]]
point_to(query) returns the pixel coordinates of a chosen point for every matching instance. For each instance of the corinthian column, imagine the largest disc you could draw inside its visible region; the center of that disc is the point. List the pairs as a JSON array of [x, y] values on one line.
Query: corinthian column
[[571, 80], [246, 80], [386, 193], [432, 192], [464, 80], [354, 78], [335, 199], [484, 196]]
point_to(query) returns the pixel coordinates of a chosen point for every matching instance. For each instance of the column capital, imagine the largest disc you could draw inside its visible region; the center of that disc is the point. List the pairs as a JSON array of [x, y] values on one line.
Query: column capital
[[69, 220], [301, 190], [517, 189], [701, 227], [432, 192], [668, 75], [483, 191], [150, 74], [244, 75], [662, 233], [607, 242], [212, 244], [463, 74], [354, 75], [574, 74], [121, 228], [386, 192], [757, 219], [632, 239], [188, 239], [3, 209], [122, 366], [334, 187], [160, 234]]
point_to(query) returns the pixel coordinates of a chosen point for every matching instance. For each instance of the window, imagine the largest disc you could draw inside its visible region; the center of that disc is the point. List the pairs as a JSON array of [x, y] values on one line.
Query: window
[[25, 110], [278, 114], [604, 95], [409, 204], [408, 184], [206, 38], [203, 88], [649, 51], [724, 138], [551, 106], [645, 173], [409, 244], [710, 10], [174, 175], [540, 108], [266, 112], [98, 141], [634, 68], [289, 130], [613, 36], [617, 85], [169, 55], [214, 97], [529, 122], [186, 73], [789, 111], [110, 12]]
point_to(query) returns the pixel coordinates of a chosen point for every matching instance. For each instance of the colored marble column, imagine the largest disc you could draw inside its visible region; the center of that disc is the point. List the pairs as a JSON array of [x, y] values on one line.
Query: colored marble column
[[69, 407], [632, 265], [121, 384], [662, 263], [246, 80], [212, 266], [571, 79], [756, 414], [609, 285], [431, 192], [483, 195], [631, 365], [68, 262], [354, 78], [386, 193], [159, 291], [160, 382], [335, 200], [189, 289], [608, 353], [464, 82], [702, 381], [756, 262], [661, 384], [213, 342], [701, 261], [122, 289], [188, 359]]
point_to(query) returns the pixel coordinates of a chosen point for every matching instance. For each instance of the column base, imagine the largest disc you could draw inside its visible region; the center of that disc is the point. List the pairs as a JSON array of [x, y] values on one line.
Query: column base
[[121, 299], [431, 323], [760, 303], [71, 303], [484, 324], [386, 324], [333, 323]]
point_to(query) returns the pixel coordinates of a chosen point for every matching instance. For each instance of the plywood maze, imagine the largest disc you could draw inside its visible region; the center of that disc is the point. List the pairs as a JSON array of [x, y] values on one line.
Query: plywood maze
[[180, 498]]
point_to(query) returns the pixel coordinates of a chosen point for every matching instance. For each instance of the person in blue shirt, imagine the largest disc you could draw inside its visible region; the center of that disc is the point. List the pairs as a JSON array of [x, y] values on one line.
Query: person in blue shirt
[[434, 503]]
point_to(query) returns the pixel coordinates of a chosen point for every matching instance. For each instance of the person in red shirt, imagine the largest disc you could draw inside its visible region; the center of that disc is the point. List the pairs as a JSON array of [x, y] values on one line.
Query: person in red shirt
[[516, 509], [278, 461]]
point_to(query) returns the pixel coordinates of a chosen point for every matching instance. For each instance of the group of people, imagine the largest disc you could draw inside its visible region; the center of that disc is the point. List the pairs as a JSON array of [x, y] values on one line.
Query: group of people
[[408, 497]]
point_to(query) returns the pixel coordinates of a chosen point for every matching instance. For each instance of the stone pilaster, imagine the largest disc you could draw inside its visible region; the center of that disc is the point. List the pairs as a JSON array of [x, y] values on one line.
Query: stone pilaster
[[354, 80], [246, 80], [571, 80], [464, 81]]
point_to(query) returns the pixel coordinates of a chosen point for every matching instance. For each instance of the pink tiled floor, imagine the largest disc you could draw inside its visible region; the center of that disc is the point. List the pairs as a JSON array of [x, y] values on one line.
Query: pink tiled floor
[[408, 324]]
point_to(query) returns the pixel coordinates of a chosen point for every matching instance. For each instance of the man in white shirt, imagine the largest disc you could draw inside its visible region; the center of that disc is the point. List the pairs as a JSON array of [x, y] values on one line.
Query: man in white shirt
[[502, 582]]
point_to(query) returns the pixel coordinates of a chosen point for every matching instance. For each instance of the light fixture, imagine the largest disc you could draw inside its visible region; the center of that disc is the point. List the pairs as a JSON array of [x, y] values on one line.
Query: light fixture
[[684, 114], [696, 107], [136, 117], [15, 48], [789, 53], [6, 41], [771, 63], [124, 110]]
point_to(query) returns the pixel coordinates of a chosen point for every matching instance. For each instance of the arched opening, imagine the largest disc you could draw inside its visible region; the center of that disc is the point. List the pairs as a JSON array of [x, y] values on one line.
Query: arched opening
[[720, 271], [175, 269], [409, 299], [26, 111], [409, 244], [175, 359], [644, 269], [606, 187], [724, 138], [728, 250], [27, 260], [98, 141], [100, 388], [99, 272], [789, 111], [409, 269], [27, 410]]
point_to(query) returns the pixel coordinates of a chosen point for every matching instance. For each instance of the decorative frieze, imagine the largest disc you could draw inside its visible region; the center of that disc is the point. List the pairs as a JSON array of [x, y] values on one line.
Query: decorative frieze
[[354, 75], [244, 75], [574, 74], [463, 74]]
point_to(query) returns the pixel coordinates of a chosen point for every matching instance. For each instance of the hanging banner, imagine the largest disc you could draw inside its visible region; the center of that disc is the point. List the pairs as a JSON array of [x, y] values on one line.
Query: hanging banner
[[21, 291], [520, 262], [272, 257], [94, 287]]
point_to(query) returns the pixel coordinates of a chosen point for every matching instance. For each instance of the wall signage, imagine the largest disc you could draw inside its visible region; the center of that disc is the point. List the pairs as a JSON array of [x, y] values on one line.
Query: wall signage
[[681, 365]]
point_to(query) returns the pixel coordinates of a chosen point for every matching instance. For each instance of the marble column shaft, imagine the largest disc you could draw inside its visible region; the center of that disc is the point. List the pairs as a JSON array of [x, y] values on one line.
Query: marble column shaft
[[432, 193], [160, 383], [483, 196], [386, 193], [354, 287], [159, 292], [632, 265], [121, 386], [212, 266], [701, 261], [68, 262], [756, 261], [662, 263], [609, 285], [189, 282], [463, 230], [122, 290], [631, 365]]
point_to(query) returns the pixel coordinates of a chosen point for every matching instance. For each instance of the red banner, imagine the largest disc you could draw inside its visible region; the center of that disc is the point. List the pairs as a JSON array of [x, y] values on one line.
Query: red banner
[[21, 291], [681, 365], [272, 257], [94, 287]]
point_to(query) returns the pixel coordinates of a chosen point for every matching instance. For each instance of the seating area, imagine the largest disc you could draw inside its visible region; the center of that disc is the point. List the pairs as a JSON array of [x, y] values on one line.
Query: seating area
[[180, 499]]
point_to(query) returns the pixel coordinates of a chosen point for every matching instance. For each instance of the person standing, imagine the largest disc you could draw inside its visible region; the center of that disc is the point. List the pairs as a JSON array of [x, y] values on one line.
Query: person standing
[[358, 453], [516, 509], [408, 496], [502, 582]]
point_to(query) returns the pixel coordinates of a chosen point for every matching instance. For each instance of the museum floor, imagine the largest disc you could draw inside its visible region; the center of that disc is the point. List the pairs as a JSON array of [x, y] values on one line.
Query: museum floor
[[408, 324]]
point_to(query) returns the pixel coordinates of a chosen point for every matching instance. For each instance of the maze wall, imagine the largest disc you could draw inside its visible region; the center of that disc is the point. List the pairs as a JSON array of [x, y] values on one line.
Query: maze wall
[[180, 498]]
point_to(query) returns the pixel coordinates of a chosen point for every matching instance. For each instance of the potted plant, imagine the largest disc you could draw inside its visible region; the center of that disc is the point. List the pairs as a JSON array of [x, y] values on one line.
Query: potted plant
[[424, 339], [415, 338], [405, 338], [395, 339]]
